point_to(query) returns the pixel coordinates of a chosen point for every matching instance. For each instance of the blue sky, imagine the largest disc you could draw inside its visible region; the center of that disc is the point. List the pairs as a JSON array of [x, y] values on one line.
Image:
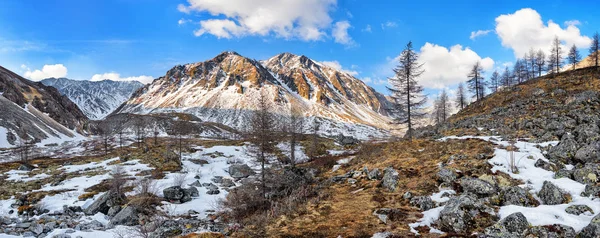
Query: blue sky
[[142, 39]]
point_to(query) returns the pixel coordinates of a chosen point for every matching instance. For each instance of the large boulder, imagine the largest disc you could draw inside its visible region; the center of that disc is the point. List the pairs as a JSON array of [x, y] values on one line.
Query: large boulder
[[173, 194], [390, 179], [588, 174], [516, 196], [103, 203], [592, 230], [551, 231], [588, 153], [128, 216], [446, 175], [477, 186], [239, 171], [513, 225], [460, 214], [423, 202], [565, 150], [550, 194]]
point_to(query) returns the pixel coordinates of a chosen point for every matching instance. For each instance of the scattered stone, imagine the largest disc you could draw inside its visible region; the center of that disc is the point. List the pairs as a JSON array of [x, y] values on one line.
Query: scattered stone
[[352, 181], [173, 194], [192, 191], [217, 179], [390, 179], [592, 230], [26, 167], [588, 154], [459, 214], [113, 211], [387, 214], [563, 173], [446, 175], [103, 203], [227, 183], [477, 186], [587, 174], [579, 209], [423, 202], [514, 225], [238, 171], [128, 216], [516, 196], [540, 163], [346, 140], [555, 230], [196, 184], [407, 195], [591, 190], [374, 174], [550, 194]]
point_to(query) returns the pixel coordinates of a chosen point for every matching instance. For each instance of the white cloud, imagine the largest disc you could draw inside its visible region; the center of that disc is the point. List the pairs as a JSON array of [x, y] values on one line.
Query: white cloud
[[367, 28], [525, 29], [445, 67], [336, 65], [183, 21], [303, 19], [475, 34], [572, 23], [48, 71], [388, 24], [340, 33], [367, 80], [117, 77]]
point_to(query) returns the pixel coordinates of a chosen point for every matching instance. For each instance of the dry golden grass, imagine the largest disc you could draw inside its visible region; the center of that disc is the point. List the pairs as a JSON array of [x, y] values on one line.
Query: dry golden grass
[[347, 211]]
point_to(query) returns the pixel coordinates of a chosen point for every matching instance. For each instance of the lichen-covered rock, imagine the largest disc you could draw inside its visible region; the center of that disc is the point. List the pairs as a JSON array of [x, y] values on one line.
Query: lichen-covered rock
[[174, 193], [563, 173], [477, 186], [587, 174], [591, 190], [579, 209], [423, 202], [446, 175], [460, 214], [374, 174], [588, 154], [551, 231], [390, 179], [516, 196], [128, 216], [565, 150], [592, 230], [550, 194], [540, 163], [238, 171], [513, 225]]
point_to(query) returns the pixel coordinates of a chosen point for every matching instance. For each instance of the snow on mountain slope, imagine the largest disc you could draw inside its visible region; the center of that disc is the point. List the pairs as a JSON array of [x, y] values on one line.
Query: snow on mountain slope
[[96, 99], [30, 111], [226, 89]]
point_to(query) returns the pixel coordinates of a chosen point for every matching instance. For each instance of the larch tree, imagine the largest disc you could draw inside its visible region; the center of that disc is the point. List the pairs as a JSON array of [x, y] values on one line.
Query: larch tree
[[540, 62], [555, 58], [442, 106], [294, 130], [461, 96], [263, 135], [573, 57], [475, 82], [506, 78], [407, 94], [594, 48], [494, 81], [531, 61]]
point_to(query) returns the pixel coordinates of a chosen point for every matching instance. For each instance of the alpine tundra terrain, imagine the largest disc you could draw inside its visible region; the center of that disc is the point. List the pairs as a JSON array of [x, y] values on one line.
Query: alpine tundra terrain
[[436, 141]]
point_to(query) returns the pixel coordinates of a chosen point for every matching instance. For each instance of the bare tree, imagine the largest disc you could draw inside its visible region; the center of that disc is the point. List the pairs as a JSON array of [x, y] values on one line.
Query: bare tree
[[24, 150], [263, 135], [106, 134], [406, 92], [461, 96], [180, 129], [475, 82], [139, 127], [540, 62], [594, 48], [494, 81], [573, 57], [518, 72], [120, 127], [531, 61], [555, 59], [441, 107], [294, 129], [314, 138], [506, 79], [156, 132]]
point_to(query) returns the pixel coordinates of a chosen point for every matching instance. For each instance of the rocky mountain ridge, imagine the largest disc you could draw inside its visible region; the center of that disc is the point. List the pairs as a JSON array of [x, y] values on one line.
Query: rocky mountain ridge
[[226, 88], [96, 99]]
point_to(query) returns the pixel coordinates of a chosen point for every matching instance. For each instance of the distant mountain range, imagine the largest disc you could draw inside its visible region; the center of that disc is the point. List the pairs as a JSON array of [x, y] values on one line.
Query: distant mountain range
[[226, 89], [96, 99], [31, 111]]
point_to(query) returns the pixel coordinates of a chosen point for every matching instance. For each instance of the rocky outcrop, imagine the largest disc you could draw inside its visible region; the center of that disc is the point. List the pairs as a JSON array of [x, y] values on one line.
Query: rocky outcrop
[[514, 225], [550, 194], [460, 214], [390, 179]]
